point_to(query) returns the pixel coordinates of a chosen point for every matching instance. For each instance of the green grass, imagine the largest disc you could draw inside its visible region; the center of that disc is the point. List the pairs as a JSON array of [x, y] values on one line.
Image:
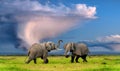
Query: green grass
[[60, 63]]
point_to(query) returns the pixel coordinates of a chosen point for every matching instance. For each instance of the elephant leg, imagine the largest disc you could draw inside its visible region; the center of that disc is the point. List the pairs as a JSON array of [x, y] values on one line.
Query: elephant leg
[[35, 61], [72, 58], [77, 57], [31, 57], [46, 61], [84, 58], [41, 57], [45, 57]]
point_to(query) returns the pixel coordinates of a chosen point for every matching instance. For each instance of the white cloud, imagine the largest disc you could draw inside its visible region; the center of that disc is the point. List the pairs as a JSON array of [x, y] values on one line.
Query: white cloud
[[82, 9], [37, 21], [114, 38]]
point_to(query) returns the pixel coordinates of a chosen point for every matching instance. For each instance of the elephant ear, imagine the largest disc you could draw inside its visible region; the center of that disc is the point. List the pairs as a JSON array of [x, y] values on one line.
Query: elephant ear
[[73, 46], [48, 46], [54, 46]]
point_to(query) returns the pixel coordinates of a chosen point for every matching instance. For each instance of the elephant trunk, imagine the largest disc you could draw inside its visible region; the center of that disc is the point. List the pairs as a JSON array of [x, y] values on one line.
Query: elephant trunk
[[67, 53], [58, 45]]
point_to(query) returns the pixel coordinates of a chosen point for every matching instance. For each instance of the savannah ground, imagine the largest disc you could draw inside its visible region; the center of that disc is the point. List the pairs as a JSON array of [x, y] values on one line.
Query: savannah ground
[[60, 63]]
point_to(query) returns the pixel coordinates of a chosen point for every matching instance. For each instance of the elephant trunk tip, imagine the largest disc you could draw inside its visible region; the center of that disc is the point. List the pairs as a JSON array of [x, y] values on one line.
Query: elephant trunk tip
[[59, 49], [58, 45], [60, 41]]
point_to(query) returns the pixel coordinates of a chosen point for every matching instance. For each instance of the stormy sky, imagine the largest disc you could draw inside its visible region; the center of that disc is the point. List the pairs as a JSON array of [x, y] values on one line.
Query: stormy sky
[[24, 22], [36, 22]]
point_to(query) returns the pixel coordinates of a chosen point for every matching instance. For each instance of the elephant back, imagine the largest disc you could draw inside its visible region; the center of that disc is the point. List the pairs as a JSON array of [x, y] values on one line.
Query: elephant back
[[81, 49], [36, 48]]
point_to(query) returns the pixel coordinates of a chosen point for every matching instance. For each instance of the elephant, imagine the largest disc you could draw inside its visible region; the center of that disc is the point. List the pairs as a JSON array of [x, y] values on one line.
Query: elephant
[[41, 50], [77, 50]]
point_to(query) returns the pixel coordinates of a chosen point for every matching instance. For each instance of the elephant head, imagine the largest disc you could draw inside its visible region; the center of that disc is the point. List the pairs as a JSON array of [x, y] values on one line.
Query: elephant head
[[69, 47], [53, 45], [47, 46]]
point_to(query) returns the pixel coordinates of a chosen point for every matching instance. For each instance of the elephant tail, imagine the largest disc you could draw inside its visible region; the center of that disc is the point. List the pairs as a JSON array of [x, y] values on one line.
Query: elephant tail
[[26, 56], [25, 60], [28, 53]]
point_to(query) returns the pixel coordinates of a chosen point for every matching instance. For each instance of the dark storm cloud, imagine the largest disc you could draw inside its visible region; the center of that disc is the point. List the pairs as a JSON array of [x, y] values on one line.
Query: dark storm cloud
[[19, 18]]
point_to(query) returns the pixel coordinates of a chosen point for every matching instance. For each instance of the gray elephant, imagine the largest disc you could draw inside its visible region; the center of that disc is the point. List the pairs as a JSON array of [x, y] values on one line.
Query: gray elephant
[[77, 50], [41, 50]]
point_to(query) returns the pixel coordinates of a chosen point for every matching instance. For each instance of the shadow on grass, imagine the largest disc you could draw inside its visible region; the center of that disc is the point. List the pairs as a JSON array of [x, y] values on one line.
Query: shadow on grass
[[4, 60], [103, 69], [7, 58], [112, 59], [13, 69]]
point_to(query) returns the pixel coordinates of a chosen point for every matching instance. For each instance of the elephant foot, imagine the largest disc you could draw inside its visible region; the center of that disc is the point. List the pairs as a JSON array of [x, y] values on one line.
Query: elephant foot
[[26, 62], [77, 59], [46, 61], [84, 60], [41, 57], [77, 62], [72, 61], [67, 56], [35, 61]]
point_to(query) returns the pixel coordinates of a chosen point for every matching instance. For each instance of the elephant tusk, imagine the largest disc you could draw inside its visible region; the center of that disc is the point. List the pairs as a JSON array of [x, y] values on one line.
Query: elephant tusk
[[68, 53], [59, 49]]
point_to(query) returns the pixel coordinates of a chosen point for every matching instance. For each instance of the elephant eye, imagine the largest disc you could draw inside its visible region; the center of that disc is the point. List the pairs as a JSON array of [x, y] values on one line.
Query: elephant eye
[[51, 44]]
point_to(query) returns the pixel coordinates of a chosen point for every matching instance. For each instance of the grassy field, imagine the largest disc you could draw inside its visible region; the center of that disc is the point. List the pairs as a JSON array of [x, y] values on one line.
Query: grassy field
[[60, 63]]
